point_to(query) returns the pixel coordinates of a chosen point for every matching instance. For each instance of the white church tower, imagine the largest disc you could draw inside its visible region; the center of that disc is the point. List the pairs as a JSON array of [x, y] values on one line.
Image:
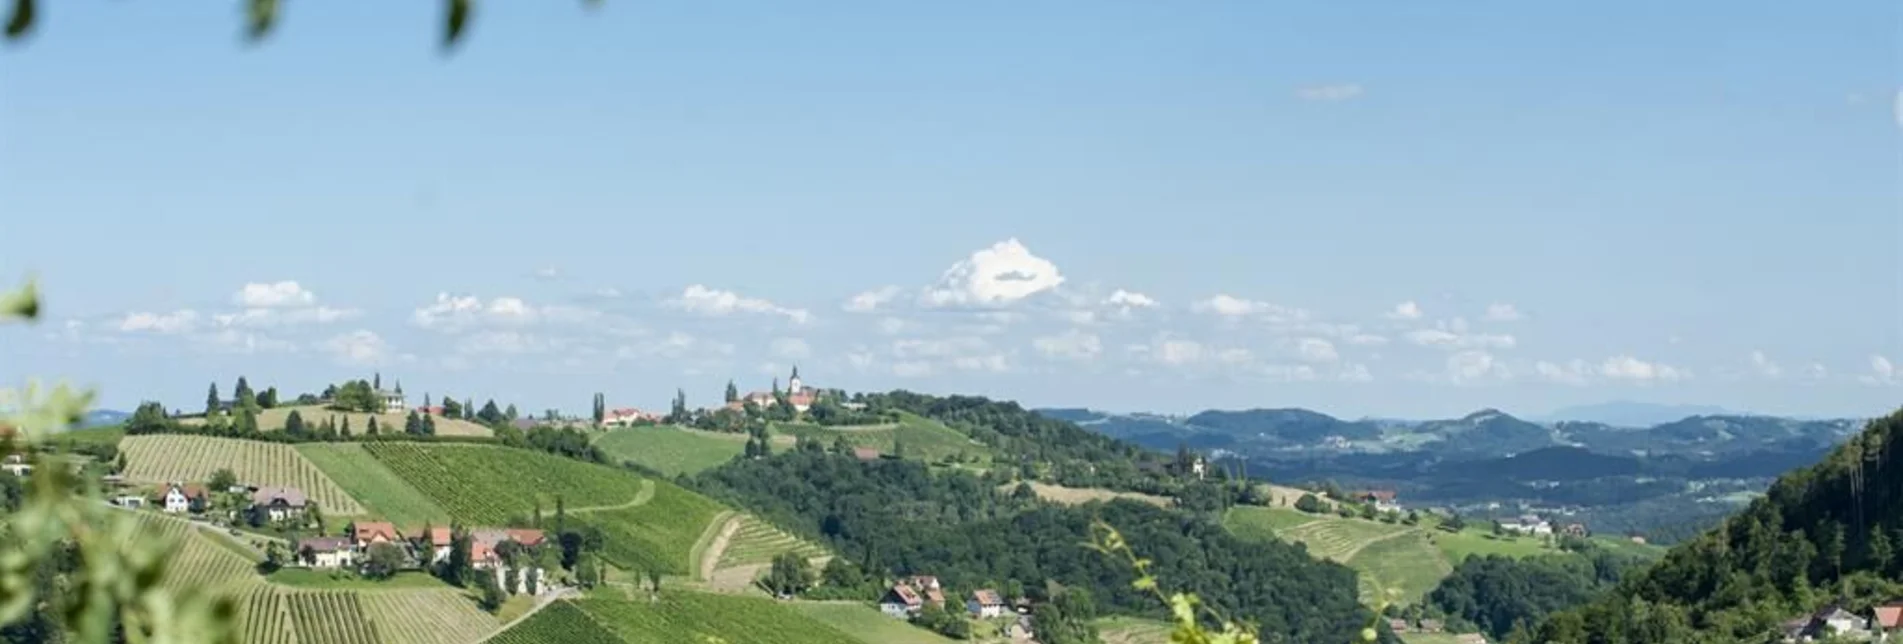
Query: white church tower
[[793, 384]]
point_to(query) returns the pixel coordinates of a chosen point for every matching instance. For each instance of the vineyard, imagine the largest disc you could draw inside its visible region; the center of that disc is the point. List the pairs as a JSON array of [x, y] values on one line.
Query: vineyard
[[426, 616], [485, 485], [166, 458], [691, 618], [661, 532], [329, 617], [196, 561], [559, 623], [275, 615], [924, 438], [757, 542], [671, 450], [372, 484]]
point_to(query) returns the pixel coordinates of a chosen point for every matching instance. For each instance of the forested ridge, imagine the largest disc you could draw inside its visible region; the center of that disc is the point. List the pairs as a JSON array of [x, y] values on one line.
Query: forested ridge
[[1044, 447], [894, 517], [1823, 534]]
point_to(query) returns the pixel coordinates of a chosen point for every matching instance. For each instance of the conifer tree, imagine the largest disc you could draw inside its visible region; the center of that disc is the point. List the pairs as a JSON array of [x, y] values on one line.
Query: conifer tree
[[211, 400], [733, 393]]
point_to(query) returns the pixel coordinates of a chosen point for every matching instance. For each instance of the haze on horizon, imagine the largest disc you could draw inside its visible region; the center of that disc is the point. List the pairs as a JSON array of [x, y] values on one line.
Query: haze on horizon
[[1118, 206]]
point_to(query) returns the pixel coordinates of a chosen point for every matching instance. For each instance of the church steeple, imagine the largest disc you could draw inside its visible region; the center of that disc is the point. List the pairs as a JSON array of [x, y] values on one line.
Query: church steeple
[[793, 384]]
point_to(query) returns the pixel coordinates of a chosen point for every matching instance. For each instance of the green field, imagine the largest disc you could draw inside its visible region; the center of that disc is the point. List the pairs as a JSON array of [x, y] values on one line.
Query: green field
[[194, 560], [166, 458], [337, 580], [372, 484], [273, 419], [866, 623], [1132, 630], [924, 438], [1395, 562], [489, 485], [758, 542], [661, 531], [682, 617], [560, 623], [671, 450]]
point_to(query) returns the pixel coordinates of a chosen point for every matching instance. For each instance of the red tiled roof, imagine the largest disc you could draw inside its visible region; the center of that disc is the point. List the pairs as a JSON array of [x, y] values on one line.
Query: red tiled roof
[[525, 536], [906, 594], [1890, 616], [439, 536], [364, 531], [987, 597], [865, 453]]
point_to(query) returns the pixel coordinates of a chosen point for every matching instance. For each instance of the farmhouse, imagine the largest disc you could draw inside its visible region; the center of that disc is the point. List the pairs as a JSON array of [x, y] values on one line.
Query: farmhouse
[[1830, 622], [628, 416], [985, 604], [279, 503], [325, 552], [183, 498], [1887, 621], [129, 501], [1019, 630], [1575, 530], [364, 534], [901, 601], [1527, 524], [393, 400], [17, 466], [437, 543], [1383, 500]]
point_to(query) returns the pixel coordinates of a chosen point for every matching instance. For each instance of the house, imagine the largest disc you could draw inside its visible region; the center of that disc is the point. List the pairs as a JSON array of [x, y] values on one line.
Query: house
[[364, 534], [1382, 500], [866, 453], [183, 498], [279, 503], [1887, 621], [1431, 626], [17, 466], [985, 604], [325, 552], [1830, 622], [526, 536], [1575, 530], [129, 501], [1528, 524], [1398, 625], [927, 587], [798, 395], [1020, 630], [628, 416], [436, 542], [393, 400], [901, 601], [430, 410]]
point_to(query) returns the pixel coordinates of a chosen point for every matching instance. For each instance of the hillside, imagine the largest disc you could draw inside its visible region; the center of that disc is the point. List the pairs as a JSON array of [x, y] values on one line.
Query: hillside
[[1828, 531], [676, 617], [273, 419]]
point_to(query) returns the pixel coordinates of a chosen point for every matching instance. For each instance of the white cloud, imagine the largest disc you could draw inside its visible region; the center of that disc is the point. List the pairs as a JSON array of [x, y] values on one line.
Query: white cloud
[[179, 321], [1229, 306], [1764, 366], [1882, 372], [1130, 300], [1576, 372], [1072, 344], [1815, 372], [1469, 366], [359, 347], [1444, 339], [1329, 93], [1004, 273], [1316, 350], [1625, 367], [871, 300], [1354, 373], [1367, 340], [790, 348], [263, 295], [714, 302], [1405, 311], [263, 317], [1500, 312]]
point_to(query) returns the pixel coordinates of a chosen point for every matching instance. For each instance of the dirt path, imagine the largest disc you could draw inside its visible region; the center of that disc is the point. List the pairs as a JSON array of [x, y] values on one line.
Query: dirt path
[[710, 558], [640, 498]]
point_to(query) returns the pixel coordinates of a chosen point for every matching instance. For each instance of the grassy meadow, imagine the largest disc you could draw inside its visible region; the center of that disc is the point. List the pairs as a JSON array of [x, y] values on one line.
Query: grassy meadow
[[866, 623], [671, 450], [924, 438]]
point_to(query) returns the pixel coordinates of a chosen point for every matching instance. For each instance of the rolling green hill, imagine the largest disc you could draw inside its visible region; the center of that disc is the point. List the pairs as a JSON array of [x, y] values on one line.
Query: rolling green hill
[[273, 419], [374, 485], [923, 438], [671, 450], [678, 617]]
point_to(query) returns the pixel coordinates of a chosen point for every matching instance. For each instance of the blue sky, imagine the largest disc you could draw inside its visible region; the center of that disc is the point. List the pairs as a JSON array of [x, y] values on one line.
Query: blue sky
[[1413, 211]]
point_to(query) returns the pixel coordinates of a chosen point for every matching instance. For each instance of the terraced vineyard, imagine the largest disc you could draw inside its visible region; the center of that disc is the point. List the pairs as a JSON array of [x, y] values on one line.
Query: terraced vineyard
[[164, 458], [264, 617], [379, 490], [426, 616], [1402, 568], [195, 562], [758, 542], [661, 532], [329, 617], [560, 623], [488, 485], [1338, 540], [683, 617], [671, 450]]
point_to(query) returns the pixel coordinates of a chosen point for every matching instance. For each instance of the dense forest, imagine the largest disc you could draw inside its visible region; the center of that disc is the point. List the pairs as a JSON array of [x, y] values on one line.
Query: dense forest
[[1824, 534], [1075, 456], [1498, 595], [895, 517]]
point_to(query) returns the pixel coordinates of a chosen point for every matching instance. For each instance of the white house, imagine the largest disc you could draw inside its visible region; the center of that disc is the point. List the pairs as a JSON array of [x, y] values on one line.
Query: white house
[[17, 469], [325, 552], [393, 400], [175, 500], [1528, 524], [985, 604], [279, 503], [901, 602], [129, 501]]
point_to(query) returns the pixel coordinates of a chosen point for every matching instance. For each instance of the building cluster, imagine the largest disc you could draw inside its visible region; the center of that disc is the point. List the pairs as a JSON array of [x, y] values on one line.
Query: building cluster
[[424, 547], [1834, 623], [907, 597]]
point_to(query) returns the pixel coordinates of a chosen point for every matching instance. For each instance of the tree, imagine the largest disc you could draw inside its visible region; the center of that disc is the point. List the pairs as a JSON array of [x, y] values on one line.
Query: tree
[[456, 568], [601, 409], [1454, 523], [371, 430], [490, 413], [243, 396], [376, 381], [733, 393], [1310, 504], [789, 574], [358, 396], [510, 413], [587, 572], [492, 596], [678, 413], [429, 425], [269, 398], [247, 421], [222, 480], [212, 404], [273, 558], [383, 561], [412, 425], [451, 408]]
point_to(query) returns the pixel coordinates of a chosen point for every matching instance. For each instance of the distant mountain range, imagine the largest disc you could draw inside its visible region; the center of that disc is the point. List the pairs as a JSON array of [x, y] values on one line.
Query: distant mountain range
[[99, 417], [1634, 414]]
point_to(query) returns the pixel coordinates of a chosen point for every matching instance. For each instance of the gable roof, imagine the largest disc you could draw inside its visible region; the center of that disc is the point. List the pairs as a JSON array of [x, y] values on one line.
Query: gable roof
[[987, 597], [905, 594], [525, 536], [439, 535], [367, 530], [865, 453], [269, 494], [1889, 616]]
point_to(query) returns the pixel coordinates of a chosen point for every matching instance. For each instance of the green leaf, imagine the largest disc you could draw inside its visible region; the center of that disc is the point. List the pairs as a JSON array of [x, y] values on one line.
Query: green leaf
[[24, 303], [454, 22], [260, 16], [22, 19]]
